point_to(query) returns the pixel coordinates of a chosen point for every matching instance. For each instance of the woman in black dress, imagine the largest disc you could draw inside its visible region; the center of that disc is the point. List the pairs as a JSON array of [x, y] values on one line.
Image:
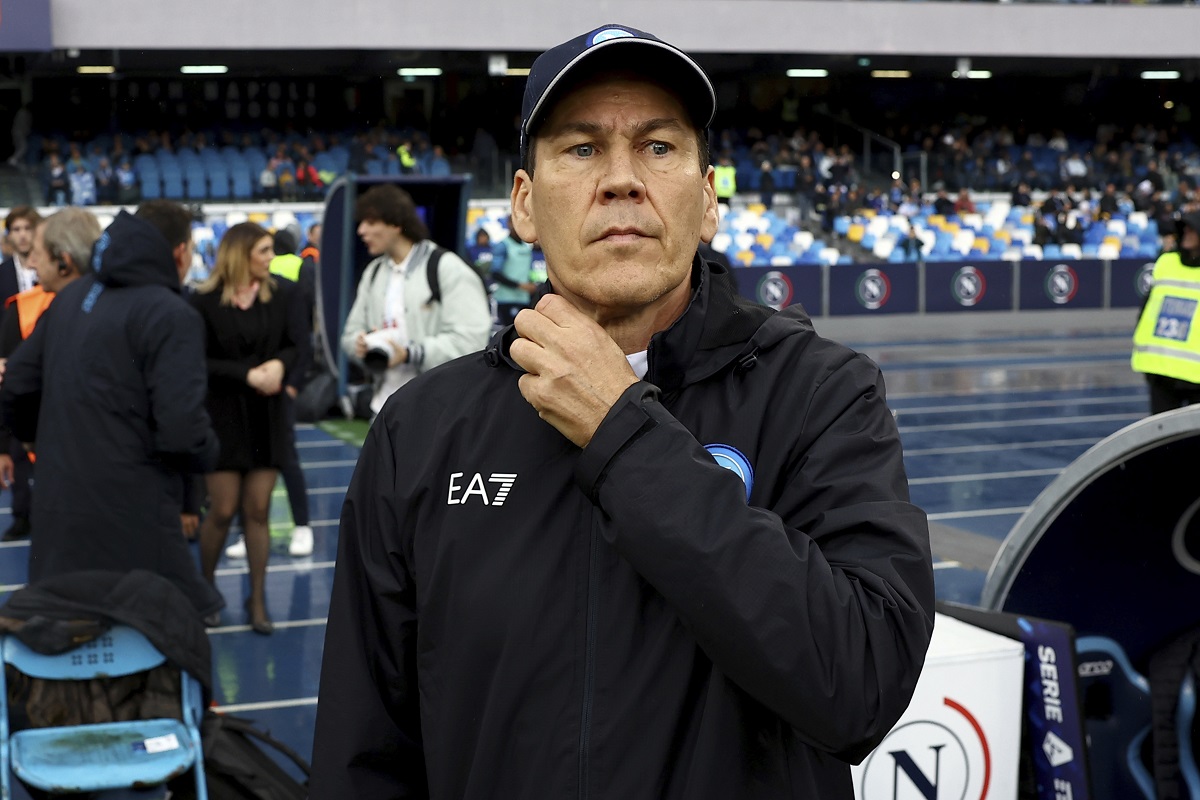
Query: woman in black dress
[[251, 345]]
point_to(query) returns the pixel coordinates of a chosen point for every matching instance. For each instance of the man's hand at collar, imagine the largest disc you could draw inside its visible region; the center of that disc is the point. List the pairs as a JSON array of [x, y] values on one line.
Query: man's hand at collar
[[575, 372]]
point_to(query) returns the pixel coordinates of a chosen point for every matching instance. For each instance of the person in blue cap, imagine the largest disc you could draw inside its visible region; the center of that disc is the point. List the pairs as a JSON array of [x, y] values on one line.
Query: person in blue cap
[[655, 541]]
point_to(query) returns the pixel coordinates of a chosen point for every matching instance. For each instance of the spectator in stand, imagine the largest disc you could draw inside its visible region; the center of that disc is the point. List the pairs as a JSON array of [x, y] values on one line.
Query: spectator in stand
[[766, 185], [942, 204], [83, 186], [57, 182], [910, 206], [1109, 203], [911, 245], [308, 182], [806, 183], [128, 190], [1074, 169], [963, 204], [268, 183], [106, 182], [439, 165], [1021, 198]]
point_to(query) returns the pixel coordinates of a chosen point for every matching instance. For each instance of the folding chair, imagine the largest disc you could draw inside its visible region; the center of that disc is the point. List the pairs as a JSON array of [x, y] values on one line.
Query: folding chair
[[104, 756]]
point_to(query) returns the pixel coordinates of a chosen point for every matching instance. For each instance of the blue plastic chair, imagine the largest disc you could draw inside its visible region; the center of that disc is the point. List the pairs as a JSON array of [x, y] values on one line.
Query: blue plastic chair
[[105, 756]]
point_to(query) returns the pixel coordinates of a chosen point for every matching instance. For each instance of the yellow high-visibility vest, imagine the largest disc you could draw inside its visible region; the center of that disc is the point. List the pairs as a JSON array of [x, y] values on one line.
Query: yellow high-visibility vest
[[1166, 340], [725, 180], [287, 266]]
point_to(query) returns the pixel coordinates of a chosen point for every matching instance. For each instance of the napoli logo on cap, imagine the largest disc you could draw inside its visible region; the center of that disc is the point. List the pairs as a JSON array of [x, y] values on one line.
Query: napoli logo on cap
[[609, 33], [732, 459]]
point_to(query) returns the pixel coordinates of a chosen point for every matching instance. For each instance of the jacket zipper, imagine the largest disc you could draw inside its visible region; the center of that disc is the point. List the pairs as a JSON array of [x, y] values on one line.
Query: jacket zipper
[[589, 668]]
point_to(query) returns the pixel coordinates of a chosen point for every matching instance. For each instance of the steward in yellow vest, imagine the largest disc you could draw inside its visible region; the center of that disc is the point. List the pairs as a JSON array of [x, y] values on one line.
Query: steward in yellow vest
[[725, 179], [1166, 342]]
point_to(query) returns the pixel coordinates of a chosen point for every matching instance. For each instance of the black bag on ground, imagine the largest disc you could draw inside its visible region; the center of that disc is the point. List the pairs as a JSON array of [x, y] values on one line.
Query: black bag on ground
[[236, 766], [318, 398]]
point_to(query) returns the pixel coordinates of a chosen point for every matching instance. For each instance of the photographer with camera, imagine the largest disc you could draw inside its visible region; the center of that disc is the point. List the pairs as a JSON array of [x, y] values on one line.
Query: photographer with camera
[[399, 325]]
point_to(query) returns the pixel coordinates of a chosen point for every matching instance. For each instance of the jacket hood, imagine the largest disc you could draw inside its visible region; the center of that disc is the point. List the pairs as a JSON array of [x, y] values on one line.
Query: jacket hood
[[131, 252], [718, 328]]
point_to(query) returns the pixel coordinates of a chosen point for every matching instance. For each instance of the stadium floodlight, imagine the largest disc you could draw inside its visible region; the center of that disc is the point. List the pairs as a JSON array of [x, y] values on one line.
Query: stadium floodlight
[[517, 72], [419, 72], [979, 74], [808, 73], [204, 69], [95, 69], [1160, 75], [890, 73]]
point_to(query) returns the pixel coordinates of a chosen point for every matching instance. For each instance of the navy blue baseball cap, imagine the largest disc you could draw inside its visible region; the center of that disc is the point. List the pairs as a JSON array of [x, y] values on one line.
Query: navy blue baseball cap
[[627, 49]]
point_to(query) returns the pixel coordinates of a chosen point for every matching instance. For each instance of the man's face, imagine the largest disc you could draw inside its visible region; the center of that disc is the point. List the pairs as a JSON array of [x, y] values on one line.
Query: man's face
[[1191, 239], [39, 259], [21, 236], [314, 235], [620, 202], [378, 236]]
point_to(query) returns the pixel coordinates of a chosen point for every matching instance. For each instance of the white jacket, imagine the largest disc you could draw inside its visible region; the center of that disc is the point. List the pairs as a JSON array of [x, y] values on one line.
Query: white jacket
[[437, 332]]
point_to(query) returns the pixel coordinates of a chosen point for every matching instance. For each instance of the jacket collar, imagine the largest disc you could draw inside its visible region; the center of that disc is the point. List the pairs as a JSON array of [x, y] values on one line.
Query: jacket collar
[[717, 328]]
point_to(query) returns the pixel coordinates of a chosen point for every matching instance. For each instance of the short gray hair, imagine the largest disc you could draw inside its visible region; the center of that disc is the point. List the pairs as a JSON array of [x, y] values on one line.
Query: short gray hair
[[73, 232]]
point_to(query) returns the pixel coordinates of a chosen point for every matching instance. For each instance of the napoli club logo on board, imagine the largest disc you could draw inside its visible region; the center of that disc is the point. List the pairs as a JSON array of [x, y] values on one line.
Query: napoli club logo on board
[[775, 290], [1061, 284], [873, 289], [968, 286]]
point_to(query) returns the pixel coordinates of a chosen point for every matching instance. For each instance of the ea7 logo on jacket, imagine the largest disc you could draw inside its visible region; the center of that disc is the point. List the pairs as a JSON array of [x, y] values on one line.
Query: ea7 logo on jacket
[[462, 492]]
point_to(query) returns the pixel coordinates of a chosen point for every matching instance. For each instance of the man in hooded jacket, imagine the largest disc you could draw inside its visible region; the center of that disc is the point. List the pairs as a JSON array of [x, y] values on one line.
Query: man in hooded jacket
[[110, 386], [655, 541]]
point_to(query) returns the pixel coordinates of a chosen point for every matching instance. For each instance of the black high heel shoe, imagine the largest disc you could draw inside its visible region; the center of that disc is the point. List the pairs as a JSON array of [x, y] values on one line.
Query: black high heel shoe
[[262, 626]]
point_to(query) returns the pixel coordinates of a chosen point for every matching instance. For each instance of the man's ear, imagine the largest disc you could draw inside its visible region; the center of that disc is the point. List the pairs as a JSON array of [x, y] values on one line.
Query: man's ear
[[522, 219], [708, 228], [67, 265], [183, 257]]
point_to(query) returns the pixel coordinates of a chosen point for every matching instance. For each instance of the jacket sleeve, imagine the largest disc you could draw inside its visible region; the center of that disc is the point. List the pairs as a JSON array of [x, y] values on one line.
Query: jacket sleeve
[[466, 318], [291, 346], [356, 320], [21, 392], [177, 386], [300, 331], [820, 605], [367, 742]]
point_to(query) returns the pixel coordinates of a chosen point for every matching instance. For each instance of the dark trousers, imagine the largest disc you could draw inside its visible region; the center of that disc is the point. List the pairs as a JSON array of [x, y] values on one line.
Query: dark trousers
[[293, 474], [1167, 394], [22, 488]]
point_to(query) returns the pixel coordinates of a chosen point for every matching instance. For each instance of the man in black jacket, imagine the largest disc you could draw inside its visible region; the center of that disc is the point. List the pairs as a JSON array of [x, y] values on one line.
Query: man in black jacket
[[655, 541], [110, 386]]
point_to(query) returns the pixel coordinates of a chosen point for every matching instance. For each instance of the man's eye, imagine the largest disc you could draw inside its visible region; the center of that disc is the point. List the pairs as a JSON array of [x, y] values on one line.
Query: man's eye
[[660, 148], [583, 150]]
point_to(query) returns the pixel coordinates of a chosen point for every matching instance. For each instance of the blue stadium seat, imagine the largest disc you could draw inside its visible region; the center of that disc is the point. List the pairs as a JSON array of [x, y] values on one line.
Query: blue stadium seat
[[197, 184], [151, 185], [172, 186], [374, 167], [243, 183], [218, 183]]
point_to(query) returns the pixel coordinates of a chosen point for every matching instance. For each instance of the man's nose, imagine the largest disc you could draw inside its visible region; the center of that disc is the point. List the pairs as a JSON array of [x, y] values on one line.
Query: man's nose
[[622, 177]]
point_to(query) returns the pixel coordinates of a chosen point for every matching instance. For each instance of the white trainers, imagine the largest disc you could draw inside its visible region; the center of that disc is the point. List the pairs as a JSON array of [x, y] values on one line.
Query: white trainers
[[237, 549], [302, 541]]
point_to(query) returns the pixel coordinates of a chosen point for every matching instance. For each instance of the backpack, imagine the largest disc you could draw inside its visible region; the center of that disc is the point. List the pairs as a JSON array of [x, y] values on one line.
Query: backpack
[[237, 767], [431, 276]]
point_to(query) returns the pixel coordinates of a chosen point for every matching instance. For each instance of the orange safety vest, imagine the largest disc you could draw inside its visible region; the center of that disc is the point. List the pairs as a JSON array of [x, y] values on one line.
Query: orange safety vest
[[31, 305]]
